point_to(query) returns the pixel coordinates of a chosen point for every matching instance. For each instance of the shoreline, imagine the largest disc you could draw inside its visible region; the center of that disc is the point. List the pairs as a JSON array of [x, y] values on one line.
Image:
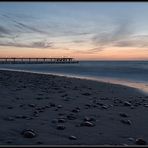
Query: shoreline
[[113, 81], [69, 111]]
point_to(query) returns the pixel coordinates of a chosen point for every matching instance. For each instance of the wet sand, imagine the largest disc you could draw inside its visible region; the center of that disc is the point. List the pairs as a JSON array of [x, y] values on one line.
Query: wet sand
[[55, 110]]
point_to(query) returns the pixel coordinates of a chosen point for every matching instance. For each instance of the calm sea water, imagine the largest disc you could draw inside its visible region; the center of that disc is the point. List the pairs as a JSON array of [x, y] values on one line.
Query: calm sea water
[[130, 73]]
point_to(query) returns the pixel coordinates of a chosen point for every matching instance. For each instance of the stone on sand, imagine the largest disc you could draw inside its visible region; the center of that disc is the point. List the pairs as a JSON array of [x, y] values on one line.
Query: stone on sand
[[60, 127], [87, 123], [126, 103], [140, 141], [72, 137], [29, 133], [123, 115], [128, 122]]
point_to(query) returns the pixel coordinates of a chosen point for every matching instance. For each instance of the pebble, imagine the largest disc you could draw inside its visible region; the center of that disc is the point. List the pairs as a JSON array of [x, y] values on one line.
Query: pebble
[[31, 105], [104, 107], [145, 105], [61, 120], [89, 119], [52, 104], [86, 94], [140, 141], [66, 99], [61, 127], [29, 133], [56, 109], [9, 118], [54, 121], [75, 110], [123, 115], [21, 105], [71, 117], [59, 106], [36, 112], [10, 107], [88, 105], [39, 142], [126, 122], [87, 123], [126, 103], [95, 105], [72, 137], [47, 106], [9, 142], [61, 114], [131, 139], [24, 117]]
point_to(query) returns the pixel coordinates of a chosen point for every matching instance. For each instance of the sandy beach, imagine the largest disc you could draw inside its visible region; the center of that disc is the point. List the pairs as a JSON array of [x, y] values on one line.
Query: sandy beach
[[56, 110]]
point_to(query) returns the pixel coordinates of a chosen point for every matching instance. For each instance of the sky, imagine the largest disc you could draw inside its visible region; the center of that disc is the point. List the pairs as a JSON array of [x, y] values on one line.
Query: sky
[[82, 30]]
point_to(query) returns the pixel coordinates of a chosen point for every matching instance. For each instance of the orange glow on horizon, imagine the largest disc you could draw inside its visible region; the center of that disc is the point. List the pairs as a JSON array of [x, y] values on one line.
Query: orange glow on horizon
[[112, 53]]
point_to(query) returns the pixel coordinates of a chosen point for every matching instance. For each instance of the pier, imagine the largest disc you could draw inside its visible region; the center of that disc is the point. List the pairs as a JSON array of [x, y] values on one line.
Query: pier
[[38, 61]]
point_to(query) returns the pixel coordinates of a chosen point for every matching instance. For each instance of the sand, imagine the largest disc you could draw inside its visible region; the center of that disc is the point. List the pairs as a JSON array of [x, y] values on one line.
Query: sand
[[69, 111]]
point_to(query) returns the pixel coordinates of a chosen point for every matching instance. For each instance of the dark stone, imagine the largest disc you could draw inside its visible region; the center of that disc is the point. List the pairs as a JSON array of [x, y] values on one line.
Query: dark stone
[[29, 133], [24, 117], [89, 119], [104, 107], [10, 107], [21, 105], [9, 142], [123, 115], [65, 95], [52, 104], [54, 121], [88, 105], [126, 122], [75, 110], [56, 109], [131, 139], [140, 141], [86, 94], [101, 104], [72, 138], [59, 106], [87, 123], [60, 127], [39, 98], [145, 105], [39, 142], [36, 112], [71, 117], [78, 108], [61, 120], [47, 106], [126, 103], [31, 105], [9, 118]]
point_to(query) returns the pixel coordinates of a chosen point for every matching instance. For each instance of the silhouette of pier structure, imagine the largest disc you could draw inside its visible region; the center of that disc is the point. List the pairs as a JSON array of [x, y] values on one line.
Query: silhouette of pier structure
[[38, 61]]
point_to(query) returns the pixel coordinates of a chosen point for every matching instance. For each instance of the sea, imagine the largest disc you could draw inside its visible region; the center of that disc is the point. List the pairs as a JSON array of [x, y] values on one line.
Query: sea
[[129, 73]]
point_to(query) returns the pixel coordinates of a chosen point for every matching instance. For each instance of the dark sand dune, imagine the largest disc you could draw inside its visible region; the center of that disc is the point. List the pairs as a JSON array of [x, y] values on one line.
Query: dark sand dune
[[54, 110]]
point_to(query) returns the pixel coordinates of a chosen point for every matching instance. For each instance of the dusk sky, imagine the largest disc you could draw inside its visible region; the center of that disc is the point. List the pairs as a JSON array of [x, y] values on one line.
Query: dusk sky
[[83, 30]]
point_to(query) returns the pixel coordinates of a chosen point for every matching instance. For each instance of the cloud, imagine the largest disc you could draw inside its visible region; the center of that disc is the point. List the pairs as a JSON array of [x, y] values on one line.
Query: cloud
[[88, 51], [23, 26], [139, 41], [122, 31], [31, 28], [94, 50], [38, 44], [4, 31], [42, 44]]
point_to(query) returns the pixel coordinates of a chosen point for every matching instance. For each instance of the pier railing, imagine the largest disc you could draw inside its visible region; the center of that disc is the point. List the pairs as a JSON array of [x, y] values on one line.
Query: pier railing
[[37, 60]]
